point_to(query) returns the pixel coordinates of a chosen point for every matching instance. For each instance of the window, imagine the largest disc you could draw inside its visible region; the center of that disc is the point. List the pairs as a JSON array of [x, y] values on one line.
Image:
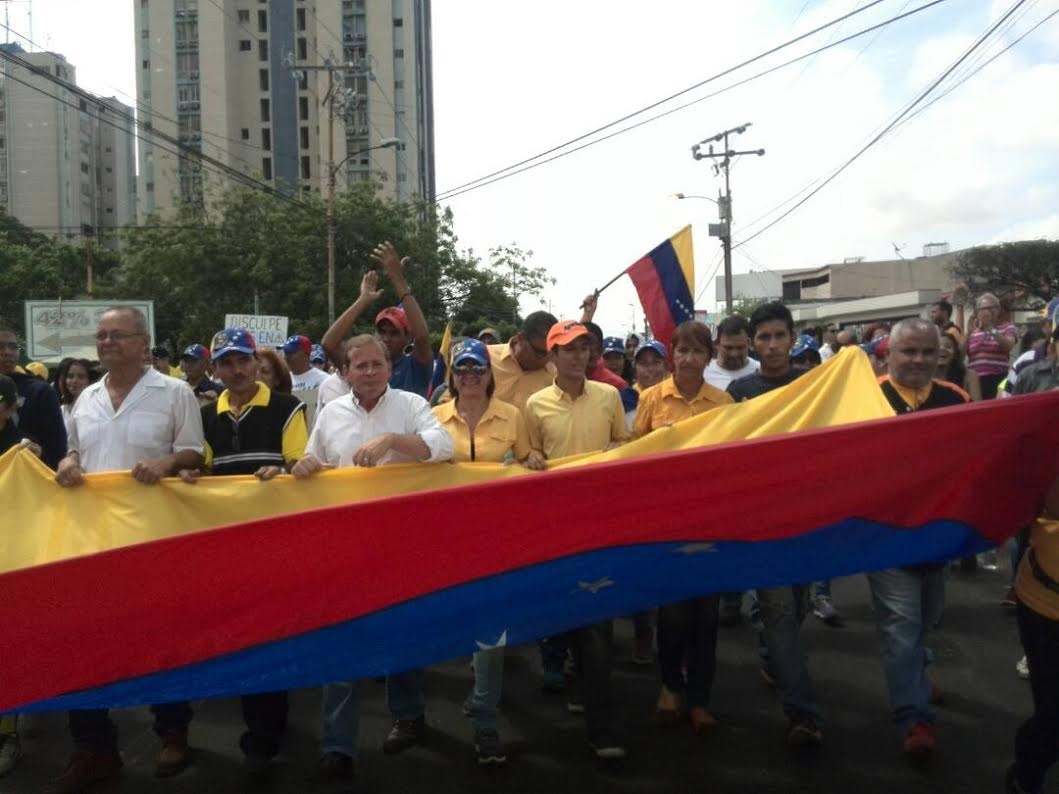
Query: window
[[144, 34], [397, 23], [303, 81], [146, 64], [244, 15], [264, 110], [301, 18], [306, 173], [262, 21], [245, 134], [266, 139], [266, 167], [244, 45], [84, 168], [150, 187], [303, 108], [262, 78], [262, 50], [398, 53], [304, 136], [398, 83], [303, 50]]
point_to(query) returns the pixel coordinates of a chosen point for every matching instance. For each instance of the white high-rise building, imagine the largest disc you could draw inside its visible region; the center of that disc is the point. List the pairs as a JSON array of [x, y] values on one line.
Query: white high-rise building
[[64, 170], [235, 81]]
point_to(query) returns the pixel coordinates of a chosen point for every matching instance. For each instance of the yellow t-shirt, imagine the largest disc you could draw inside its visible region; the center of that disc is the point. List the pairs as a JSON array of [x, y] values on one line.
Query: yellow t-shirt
[[1044, 540], [514, 385], [500, 434], [663, 405], [560, 425]]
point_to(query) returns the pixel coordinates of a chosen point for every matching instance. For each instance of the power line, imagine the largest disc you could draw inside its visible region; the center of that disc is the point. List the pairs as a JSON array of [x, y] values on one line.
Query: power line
[[137, 126], [505, 174], [894, 123], [653, 105]]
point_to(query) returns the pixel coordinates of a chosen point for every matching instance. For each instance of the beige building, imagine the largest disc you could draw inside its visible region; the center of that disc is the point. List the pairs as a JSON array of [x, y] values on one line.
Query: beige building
[[63, 170], [862, 279], [239, 81]]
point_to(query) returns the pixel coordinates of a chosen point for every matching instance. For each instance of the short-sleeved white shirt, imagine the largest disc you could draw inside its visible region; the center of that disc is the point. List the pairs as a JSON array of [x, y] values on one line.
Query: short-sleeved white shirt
[[343, 427], [308, 380], [332, 388], [159, 417]]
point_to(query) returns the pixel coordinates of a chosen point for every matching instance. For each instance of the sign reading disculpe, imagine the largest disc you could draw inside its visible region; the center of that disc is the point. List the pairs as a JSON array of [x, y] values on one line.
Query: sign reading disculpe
[[267, 329]]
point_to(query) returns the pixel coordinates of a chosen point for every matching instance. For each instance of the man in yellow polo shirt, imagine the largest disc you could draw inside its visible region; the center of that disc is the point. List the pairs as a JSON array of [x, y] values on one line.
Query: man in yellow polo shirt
[[571, 416], [522, 366]]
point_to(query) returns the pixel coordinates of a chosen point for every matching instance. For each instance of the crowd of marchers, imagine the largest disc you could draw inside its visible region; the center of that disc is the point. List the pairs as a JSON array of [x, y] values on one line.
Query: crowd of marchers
[[556, 388]]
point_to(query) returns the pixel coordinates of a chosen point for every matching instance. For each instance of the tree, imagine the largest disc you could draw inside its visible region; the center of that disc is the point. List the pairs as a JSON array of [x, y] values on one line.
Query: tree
[[1027, 272]]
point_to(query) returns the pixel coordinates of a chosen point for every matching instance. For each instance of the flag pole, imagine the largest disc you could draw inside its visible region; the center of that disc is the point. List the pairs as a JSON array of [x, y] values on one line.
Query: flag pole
[[622, 273]]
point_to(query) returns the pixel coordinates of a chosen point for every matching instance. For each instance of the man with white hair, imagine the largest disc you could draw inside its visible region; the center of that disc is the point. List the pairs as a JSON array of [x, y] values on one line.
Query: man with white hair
[[372, 425], [908, 601]]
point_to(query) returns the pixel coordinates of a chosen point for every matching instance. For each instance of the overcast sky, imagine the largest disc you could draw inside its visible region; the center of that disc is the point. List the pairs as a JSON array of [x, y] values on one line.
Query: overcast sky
[[513, 79]]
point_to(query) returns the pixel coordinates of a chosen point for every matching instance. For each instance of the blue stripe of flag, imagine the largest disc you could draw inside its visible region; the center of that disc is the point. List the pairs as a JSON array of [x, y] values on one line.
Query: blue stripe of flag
[[675, 286]]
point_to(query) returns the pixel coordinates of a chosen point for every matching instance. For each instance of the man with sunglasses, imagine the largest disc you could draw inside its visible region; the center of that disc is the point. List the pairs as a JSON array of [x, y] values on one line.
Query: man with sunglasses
[[138, 420], [251, 429], [39, 417], [521, 366]]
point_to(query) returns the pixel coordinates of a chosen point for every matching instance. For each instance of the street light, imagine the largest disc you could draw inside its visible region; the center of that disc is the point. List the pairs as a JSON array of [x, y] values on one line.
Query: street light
[[332, 171], [686, 196]]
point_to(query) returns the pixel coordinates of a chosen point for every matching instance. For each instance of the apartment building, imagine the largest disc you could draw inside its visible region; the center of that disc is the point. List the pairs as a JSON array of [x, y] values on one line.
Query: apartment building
[[67, 165], [246, 83]]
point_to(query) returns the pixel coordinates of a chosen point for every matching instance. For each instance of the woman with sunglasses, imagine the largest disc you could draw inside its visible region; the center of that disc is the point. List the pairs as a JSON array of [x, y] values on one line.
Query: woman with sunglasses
[[485, 430], [687, 630]]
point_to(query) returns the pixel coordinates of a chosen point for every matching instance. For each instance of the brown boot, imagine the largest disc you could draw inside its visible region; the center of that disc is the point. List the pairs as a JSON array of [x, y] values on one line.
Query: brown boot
[[85, 769], [173, 755], [668, 708], [702, 721]]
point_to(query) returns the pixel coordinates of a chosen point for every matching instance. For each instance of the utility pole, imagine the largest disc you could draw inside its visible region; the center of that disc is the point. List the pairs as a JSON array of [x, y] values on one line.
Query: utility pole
[[724, 201], [88, 266]]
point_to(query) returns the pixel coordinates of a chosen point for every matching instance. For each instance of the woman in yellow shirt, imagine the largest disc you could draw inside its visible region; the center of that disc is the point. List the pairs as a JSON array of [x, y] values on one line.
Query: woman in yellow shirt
[[483, 429], [687, 630]]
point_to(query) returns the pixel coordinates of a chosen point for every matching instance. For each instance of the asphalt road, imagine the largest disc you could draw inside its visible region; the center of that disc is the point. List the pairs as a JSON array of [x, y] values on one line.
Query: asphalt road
[[976, 648]]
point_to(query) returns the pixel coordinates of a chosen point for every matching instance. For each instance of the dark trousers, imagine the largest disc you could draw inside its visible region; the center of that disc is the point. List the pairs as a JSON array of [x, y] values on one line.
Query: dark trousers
[[93, 730], [989, 385], [687, 636], [594, 653], [266, 720], [1037, 741]]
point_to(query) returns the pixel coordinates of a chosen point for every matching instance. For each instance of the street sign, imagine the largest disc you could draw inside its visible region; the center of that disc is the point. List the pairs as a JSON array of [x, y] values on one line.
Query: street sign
[[59, 329], [268, 330]]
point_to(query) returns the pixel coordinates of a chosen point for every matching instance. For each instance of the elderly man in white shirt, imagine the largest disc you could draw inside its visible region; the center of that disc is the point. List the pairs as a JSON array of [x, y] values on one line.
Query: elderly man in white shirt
[[371, 425], [139, 420]]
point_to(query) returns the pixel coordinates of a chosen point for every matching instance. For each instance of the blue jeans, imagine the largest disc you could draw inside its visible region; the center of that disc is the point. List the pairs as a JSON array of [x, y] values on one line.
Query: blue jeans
[[907, 603], [782, 611], [488, 684], [341, 710]]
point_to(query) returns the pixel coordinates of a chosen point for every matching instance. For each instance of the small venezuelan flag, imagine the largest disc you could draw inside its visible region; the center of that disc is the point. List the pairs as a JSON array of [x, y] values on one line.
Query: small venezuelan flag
[[665, 282]]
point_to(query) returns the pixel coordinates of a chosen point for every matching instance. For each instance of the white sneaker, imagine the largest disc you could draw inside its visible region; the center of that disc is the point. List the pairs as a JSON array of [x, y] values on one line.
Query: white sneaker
[[1023, 668]]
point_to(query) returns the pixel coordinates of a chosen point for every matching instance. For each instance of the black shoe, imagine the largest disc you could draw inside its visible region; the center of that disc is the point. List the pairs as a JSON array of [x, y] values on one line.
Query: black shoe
[[1011, 782], [332, 767], [257, 766], [730, 614], [404, 734], [804, 733], [489, 748], [606, 746]]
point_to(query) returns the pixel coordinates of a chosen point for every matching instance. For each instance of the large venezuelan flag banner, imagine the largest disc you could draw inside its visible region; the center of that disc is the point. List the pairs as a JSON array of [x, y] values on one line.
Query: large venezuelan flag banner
[[665, 282], [117, 594]]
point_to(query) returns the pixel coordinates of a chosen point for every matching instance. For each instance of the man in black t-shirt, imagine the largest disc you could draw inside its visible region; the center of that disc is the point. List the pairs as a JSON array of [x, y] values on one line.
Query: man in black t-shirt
[[782, 609], [908, 601]]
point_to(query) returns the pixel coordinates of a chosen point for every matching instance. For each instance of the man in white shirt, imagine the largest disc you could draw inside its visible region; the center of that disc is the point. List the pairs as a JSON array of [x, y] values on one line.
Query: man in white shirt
[[303, 375], [830, 345], [139, 420], [733, 353], [371, 425]]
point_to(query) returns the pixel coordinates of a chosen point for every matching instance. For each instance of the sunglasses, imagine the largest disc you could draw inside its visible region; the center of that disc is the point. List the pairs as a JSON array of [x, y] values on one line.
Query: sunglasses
[[466, 370]]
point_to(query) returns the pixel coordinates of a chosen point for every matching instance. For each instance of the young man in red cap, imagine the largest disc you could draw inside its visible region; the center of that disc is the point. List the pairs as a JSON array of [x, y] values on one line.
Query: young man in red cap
[[572, 416], [397, 327], [304, 376]]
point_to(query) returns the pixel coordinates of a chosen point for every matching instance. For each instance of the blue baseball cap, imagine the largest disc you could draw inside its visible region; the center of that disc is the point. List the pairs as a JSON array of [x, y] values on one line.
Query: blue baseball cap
[[196, 351], [806, 343], [470, 349], [232, 340], [651, 344], [877, 347], [298, 343], [613, 344], [317, 354]]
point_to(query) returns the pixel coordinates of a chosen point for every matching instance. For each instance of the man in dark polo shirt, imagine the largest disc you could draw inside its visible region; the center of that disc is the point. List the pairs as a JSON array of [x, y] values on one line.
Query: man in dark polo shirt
[[908, 601], [251, 430]]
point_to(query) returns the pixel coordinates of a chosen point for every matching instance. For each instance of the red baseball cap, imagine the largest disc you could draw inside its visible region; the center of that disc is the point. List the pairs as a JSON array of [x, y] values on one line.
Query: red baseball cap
[[395, 315]]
